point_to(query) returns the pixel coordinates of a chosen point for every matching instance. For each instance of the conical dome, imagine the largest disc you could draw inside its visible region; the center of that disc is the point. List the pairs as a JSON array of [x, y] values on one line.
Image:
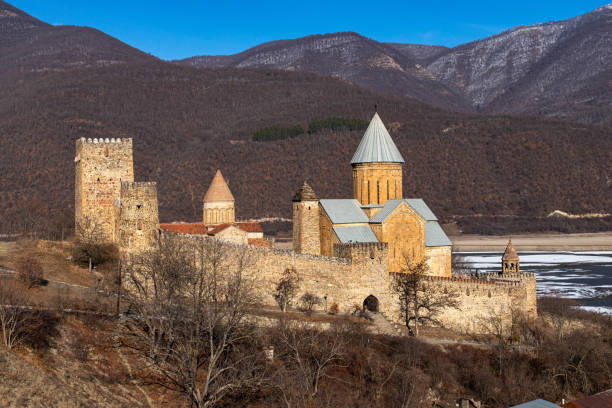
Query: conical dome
[[376, 145], [510, 253], [305, 193], [218, 190]]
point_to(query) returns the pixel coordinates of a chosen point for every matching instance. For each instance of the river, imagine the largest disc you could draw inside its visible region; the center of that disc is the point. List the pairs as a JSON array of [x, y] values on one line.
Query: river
[[582, 275]]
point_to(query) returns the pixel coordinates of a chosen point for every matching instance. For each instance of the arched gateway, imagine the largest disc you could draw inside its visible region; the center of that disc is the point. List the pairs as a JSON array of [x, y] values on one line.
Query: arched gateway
[[371, 303]]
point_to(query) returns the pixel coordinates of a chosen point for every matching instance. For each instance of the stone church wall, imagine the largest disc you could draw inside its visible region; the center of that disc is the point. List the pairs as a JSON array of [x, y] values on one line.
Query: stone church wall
[[439, 260]]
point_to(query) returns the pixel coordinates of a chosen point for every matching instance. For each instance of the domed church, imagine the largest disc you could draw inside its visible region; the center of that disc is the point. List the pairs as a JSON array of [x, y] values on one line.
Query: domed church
[[376, 213]]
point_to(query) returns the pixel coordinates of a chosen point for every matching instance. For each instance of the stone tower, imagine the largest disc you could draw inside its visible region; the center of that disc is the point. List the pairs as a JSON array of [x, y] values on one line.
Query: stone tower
[[219, 203], [306, 221], [138, 217], [510, 260], [101, 165], [377, 166]]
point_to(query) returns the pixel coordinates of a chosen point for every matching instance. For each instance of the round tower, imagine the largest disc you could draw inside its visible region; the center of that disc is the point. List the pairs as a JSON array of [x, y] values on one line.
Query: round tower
[[377, 166], [510, 260], [306, 236], [219, 203]]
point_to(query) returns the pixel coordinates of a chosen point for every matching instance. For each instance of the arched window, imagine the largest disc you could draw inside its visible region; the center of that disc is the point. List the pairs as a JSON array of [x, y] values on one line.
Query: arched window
[[378, 191], [387, 189], [368, 191], [361, 193]]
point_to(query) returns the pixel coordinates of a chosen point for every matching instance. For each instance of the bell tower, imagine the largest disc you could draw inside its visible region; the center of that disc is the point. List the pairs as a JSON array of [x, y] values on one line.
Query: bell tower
[[510, 260], [377, 166], [306, 235]]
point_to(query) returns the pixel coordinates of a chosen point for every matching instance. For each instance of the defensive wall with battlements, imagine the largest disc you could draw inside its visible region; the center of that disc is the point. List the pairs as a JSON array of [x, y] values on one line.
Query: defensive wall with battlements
[[359, 270]]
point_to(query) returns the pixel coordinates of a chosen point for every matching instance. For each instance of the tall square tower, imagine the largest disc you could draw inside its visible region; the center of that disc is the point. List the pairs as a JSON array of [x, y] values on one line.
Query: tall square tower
[[100, 167]]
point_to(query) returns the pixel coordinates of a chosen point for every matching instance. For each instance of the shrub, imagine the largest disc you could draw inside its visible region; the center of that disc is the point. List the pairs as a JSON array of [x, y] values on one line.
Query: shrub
[[84, 253], [337, 124], [333, 309], [308, 301], [286, 288], [277, 133], [30, 271]]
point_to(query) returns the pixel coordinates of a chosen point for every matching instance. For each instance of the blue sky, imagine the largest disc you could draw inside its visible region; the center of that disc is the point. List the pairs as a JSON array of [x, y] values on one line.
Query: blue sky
[[179, 29]]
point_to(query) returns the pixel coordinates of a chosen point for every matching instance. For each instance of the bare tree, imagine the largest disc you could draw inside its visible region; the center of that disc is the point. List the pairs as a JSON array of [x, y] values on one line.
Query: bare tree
[[14, 314], [287, 288], [557, 312], [191, 302], [308, 301], [91, 247], [309, 354], [497, 325], [421, 300], [30, 271]]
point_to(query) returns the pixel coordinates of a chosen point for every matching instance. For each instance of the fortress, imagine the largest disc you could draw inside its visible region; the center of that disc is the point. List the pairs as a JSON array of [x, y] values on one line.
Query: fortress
[[344, 250]]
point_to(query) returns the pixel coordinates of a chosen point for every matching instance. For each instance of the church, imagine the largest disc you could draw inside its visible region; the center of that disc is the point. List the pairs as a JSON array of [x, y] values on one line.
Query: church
[[377, 212]]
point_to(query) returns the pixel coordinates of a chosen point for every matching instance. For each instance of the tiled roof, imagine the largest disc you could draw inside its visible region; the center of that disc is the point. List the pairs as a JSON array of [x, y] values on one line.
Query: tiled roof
[[260, 242], [218, 228], [601, 400], [184, 228], [218, 190], [249, 226], [305, 193], [244, 226], [417, 205], [344, 211], [376, 146], [358, 233], [435, 236]]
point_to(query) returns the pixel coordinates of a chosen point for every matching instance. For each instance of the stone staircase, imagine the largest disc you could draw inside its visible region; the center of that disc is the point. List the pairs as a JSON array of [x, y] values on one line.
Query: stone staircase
[[382, 325]]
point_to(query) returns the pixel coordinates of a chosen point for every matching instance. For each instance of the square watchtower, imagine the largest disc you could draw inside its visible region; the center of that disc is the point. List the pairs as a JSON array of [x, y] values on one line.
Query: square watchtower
[[100, 167]]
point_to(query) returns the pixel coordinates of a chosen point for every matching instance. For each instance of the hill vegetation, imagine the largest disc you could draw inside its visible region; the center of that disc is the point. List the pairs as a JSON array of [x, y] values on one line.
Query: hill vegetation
[[187, 122]]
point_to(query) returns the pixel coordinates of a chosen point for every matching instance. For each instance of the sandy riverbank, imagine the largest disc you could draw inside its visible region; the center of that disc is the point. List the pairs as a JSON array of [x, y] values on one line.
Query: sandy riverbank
[[600, 241]]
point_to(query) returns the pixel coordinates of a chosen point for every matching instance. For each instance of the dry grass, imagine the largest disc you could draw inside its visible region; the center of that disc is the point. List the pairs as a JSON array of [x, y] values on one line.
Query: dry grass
[[54, 258], [83, 368], [314, 317]]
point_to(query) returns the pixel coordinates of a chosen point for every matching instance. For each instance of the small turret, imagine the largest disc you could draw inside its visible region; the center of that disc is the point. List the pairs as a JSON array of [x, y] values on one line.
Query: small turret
[[510, 260], [306, 237], [219, 203]]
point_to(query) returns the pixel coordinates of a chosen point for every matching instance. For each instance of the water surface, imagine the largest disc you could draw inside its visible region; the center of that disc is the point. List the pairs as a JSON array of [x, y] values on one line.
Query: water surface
[[582, 275]]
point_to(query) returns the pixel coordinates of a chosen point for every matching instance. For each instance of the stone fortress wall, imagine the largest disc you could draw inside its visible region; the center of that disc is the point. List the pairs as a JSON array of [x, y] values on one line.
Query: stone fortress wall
[[359, 270]]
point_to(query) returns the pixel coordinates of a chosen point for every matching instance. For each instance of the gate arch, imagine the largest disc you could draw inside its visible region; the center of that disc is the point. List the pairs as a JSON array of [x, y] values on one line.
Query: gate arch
[[371, 303]]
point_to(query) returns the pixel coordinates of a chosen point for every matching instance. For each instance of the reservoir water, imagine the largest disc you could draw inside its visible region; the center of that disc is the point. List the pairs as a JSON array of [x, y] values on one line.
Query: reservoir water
[[582, 275]]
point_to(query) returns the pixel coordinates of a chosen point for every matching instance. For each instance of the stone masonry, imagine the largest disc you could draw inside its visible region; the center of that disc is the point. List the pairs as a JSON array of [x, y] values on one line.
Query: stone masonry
[[138, 218], [101, 166]]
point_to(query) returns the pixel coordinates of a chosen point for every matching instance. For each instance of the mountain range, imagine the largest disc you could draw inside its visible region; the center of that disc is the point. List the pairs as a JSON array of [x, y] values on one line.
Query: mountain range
[[58, 84], [558, 69]]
